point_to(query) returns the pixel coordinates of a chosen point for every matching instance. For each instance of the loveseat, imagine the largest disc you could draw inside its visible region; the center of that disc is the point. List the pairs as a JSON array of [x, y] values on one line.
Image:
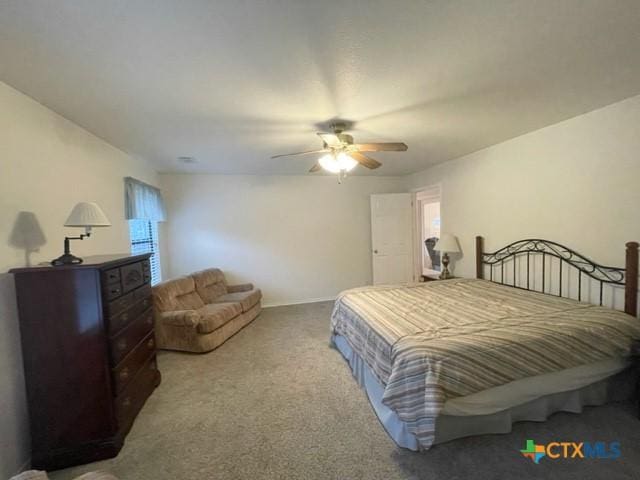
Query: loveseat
[[199, 312]]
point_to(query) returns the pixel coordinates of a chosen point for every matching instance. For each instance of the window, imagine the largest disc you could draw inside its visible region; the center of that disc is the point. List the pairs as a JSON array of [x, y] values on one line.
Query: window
[[144, 208], [144, 239]]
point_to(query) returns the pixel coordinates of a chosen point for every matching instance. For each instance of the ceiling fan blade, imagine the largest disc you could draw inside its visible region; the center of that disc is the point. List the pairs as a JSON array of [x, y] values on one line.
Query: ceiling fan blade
[[324, 150], [381, 147], [364, 160], [330, 139], [315, 168]]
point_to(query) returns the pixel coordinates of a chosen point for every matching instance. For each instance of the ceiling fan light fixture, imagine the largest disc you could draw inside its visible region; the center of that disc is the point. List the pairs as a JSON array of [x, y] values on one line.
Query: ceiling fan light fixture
[[337, 163], [346, 162]]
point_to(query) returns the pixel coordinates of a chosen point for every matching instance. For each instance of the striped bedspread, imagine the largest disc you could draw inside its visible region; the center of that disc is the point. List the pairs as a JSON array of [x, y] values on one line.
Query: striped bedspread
[[433, 341]]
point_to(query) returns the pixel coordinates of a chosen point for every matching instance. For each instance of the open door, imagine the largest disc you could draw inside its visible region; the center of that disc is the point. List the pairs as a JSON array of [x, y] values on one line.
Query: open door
[[391, 242]]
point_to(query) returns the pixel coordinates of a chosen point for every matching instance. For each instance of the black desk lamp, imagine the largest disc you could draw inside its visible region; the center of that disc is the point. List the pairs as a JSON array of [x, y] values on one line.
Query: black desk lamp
[[87, 215]]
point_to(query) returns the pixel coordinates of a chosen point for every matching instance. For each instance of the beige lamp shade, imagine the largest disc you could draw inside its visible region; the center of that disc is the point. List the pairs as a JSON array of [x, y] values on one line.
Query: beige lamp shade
[[87, 214], [447, 243]]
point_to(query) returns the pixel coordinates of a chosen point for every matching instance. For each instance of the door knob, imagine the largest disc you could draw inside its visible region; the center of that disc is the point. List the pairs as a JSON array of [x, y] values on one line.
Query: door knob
[[375, 251]]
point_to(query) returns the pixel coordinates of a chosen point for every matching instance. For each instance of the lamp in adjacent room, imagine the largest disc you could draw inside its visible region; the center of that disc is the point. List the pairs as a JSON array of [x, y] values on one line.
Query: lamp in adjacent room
[[87, 215], [446, 244]]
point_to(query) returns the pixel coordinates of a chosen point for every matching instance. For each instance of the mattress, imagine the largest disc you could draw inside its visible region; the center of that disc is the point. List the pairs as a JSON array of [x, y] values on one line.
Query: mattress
[[495, 410], [430, 343], [525, 390]]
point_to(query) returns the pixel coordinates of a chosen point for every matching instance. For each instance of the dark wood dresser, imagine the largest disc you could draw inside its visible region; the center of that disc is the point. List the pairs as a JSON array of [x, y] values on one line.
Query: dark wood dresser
[[89, 355]]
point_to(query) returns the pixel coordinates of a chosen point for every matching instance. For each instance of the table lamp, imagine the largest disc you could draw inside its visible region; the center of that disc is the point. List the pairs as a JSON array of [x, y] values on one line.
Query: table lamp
[[87, 215], [446, 244]]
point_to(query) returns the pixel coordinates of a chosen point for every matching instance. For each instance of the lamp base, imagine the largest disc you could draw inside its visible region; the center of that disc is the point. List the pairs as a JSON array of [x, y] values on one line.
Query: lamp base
[[66, 259], [445, 274]]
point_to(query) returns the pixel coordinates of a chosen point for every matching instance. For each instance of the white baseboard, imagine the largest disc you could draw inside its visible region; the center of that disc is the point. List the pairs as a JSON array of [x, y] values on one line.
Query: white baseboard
[[300, 302]]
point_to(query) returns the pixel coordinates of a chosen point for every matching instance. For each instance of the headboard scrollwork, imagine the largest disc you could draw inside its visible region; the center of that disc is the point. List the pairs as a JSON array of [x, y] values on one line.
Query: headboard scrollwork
[[532, 247]]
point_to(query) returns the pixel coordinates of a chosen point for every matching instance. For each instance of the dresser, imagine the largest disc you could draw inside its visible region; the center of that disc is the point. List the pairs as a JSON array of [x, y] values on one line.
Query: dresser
[[89, 355]]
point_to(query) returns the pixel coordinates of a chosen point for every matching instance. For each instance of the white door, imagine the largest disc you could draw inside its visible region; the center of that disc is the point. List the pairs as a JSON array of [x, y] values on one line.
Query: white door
[[391, 238]]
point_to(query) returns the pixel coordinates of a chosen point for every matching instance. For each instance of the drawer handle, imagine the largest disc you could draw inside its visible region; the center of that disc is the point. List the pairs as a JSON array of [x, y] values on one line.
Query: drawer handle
[[124, 374], [126, 403], [122, 344], [151, 343]]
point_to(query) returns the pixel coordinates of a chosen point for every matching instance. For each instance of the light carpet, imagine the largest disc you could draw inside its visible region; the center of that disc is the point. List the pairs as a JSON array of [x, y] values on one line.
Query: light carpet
[[276, 402]]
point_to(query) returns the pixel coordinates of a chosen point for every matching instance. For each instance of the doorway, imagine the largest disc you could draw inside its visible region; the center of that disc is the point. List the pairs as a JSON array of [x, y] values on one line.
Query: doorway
[[427, 231]]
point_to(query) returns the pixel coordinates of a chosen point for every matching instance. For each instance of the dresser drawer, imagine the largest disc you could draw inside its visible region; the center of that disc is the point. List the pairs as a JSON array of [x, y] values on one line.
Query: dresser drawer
[[142, 292], [146, 271], [132, 363], [127, 300], [120, 320], [112, 276], [132, 276], [120, 304], [131, 400], [113, 290], [128, 338]]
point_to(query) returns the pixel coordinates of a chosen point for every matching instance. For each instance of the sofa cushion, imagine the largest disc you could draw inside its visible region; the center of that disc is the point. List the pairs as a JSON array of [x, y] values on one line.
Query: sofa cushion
[[246, 299], [210, 284], [180, 318], [243, 287], [177, 294], [215, 315]]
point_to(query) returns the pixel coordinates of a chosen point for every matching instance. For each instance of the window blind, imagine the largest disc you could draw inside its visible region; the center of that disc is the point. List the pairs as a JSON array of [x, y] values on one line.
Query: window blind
[[144, 239]]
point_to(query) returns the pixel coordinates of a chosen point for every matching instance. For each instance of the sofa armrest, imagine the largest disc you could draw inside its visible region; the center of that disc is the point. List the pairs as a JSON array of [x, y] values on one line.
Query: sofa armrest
[[180, 318], [244, 287]]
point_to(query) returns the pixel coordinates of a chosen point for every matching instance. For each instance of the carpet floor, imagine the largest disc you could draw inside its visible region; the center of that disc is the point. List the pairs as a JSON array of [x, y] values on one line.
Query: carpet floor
[[276, 402]]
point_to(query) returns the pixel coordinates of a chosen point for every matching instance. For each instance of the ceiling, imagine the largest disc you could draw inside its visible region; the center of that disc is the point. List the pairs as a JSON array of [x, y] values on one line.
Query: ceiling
[[233, 82]]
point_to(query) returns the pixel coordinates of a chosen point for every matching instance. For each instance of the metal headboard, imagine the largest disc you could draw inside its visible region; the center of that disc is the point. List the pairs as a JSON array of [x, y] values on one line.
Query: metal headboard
[[533, 247]]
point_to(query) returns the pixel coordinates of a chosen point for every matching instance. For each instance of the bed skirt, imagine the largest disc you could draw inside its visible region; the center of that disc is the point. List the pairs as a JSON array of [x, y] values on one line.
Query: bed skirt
[[449, 427]]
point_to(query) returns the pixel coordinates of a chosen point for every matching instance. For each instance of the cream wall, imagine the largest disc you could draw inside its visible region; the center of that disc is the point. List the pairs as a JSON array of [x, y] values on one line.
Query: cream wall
[[47, 164], [576, 182], [298, 238]]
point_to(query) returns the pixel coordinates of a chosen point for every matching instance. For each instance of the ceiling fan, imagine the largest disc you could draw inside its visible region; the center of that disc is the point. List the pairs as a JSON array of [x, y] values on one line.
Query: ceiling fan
[[342, 155]]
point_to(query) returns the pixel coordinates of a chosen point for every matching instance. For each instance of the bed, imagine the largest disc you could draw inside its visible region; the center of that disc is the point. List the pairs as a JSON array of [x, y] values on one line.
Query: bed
[[447, 359]]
